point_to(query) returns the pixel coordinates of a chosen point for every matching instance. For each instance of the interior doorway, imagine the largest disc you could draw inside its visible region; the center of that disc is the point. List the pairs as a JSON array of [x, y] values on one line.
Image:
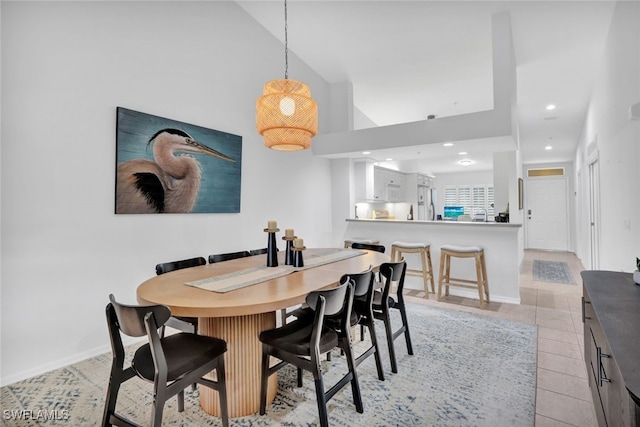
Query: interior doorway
[[594, 212], [547, 213]]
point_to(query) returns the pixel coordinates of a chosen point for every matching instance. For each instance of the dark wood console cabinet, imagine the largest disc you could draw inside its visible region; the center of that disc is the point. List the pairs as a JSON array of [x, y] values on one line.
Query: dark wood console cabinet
[[611, 317]]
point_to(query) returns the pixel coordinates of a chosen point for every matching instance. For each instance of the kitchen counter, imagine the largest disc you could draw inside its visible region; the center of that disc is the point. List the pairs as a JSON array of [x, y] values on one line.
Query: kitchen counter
[[443, 222], [501, 241]]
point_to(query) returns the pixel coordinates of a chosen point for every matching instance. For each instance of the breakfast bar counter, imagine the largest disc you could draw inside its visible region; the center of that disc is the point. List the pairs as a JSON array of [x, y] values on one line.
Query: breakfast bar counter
[[502, 243]]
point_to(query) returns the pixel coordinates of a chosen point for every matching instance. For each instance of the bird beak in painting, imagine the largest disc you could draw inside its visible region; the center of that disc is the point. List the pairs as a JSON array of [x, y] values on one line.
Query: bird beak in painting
[[201, 148]]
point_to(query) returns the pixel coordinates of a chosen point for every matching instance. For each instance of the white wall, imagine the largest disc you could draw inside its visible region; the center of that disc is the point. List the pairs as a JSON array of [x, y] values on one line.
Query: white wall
[[617, 141], [66, 67]]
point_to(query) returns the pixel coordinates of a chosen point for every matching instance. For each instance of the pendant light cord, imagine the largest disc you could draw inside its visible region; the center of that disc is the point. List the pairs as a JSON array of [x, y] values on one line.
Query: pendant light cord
[[286, 44]]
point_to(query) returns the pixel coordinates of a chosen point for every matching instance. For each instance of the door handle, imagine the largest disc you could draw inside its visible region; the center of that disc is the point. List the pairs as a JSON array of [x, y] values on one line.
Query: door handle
[[584, 316], [601, 376]]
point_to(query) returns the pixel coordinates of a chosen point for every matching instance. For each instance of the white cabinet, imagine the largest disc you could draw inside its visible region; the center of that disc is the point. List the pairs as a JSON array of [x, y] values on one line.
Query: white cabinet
[[376, 184]]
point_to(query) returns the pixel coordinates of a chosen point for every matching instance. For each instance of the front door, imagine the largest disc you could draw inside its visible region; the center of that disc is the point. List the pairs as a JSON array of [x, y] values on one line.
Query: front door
[[546, 213]]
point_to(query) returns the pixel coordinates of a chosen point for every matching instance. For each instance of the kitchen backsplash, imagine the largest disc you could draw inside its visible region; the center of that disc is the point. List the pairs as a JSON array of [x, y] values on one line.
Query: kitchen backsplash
[[391, 210]]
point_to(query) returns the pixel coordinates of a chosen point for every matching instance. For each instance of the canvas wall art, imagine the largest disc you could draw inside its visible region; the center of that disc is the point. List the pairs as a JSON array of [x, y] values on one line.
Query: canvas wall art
[[167, 166]]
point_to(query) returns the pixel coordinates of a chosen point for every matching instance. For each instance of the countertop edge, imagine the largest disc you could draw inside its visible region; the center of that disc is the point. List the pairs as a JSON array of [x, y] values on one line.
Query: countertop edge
[[446, 223]]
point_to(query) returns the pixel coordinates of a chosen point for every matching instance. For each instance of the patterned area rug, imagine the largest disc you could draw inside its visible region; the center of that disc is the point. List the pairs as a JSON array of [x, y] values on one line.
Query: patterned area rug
[[467, 370], [552, 271]]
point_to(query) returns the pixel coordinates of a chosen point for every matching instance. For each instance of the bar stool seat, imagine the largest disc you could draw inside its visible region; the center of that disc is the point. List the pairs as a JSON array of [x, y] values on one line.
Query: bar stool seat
[[365, 240], [481, 282], [398, 248]]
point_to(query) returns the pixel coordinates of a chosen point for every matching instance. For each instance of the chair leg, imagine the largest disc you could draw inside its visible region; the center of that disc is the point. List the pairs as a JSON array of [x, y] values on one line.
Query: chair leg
[[156, 411], [300, 373], [264, 379], [433, 287], [376, 354], [222, 391], [320, 397], [392, 352], [441, 278], [112, 396], [181, 401], [484, 276], [405, 323], [479, 280], [355, 385], [425, 279]]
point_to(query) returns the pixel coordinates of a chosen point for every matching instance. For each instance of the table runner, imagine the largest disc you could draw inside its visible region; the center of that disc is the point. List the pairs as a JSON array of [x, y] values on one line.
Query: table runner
[[251, 276]]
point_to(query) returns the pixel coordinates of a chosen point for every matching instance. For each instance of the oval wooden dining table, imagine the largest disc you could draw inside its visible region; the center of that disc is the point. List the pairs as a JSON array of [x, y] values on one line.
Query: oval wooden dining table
[[238, 316]]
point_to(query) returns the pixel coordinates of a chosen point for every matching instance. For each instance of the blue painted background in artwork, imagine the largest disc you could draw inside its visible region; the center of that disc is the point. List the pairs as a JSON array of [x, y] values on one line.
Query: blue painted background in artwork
[[220, 184]]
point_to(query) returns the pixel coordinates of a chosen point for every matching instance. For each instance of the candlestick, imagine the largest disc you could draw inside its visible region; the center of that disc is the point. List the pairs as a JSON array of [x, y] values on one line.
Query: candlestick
[[297, 256], [288, 232], [272, 248], [288, 253]]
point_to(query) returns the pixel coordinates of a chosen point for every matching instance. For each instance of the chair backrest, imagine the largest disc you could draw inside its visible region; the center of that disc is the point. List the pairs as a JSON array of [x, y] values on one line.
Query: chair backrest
[[258, 251], [393, 272], [331, 302], [228, 256], [178, 265], [130, 318], [334, 298], [369, 246], [362, 282]]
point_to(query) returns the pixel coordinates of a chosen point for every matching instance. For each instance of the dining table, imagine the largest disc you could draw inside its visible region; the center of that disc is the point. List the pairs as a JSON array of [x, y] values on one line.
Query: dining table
[[236, 300]]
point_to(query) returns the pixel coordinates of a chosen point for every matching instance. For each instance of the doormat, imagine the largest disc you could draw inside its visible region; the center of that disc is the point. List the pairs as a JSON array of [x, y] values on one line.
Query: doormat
[[552, 271]]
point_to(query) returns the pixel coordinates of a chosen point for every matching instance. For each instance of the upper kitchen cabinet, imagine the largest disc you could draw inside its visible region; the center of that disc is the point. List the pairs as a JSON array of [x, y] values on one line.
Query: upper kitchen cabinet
[[377, 184]]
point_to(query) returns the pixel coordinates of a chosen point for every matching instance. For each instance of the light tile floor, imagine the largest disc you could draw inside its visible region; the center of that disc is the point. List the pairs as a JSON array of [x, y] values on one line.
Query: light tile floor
[[563, 397]]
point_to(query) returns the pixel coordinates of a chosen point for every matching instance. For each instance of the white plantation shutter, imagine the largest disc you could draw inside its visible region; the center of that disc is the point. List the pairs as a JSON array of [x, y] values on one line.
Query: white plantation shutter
[[451, 196], [470, 198], [464, 199], [479, 197]]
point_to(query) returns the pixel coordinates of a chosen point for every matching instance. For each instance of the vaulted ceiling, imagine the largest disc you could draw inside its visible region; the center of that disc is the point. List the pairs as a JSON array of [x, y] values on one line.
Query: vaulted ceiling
[[410, 59]]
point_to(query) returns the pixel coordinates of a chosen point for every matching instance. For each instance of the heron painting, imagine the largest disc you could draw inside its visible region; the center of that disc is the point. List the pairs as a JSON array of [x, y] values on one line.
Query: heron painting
[[166, 166]]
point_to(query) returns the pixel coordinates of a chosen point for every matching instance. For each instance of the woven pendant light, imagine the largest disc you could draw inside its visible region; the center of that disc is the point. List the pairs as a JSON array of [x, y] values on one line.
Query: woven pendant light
[[286, 115]]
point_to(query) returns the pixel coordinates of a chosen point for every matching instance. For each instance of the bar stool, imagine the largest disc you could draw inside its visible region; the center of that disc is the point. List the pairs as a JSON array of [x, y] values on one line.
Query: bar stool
[[424, 249], [448, 251], [348, 242]]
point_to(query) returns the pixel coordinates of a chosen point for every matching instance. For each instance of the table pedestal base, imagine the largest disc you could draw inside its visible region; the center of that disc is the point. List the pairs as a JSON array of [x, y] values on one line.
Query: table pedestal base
[[242, 363]]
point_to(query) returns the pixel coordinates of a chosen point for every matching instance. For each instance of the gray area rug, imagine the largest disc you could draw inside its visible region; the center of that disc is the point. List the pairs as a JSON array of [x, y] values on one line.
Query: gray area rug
[[552, 271], [467, 370]]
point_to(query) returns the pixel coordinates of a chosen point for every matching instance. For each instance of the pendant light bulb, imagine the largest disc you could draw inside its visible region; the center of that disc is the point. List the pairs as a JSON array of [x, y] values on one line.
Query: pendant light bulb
[[287, 106]]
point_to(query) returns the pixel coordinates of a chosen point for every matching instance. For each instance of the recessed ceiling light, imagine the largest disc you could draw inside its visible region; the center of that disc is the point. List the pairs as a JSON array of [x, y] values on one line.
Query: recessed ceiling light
[[366, 152], [465, 162], [448, 144], [548, 147], [462, 153], [551, 107], [388, 159]]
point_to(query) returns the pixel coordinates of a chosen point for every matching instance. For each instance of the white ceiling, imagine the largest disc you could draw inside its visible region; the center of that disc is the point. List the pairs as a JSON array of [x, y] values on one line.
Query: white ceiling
[[409, 59]]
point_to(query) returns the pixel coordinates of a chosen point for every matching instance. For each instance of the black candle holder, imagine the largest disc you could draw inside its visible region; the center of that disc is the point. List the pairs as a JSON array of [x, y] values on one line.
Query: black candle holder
[[288, 253], [297, 256], [272, 248]]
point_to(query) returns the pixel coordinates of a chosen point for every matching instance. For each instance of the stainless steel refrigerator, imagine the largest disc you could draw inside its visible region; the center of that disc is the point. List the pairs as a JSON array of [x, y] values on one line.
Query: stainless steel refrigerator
[[426, 203]]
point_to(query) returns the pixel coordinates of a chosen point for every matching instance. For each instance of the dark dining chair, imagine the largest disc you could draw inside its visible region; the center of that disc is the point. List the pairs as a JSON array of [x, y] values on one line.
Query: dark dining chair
[[260, 251], [171, 363], [166, 267], [393, 274], [302, 341], [228, 256], [361, 314], [369, 246], [181, 323]]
